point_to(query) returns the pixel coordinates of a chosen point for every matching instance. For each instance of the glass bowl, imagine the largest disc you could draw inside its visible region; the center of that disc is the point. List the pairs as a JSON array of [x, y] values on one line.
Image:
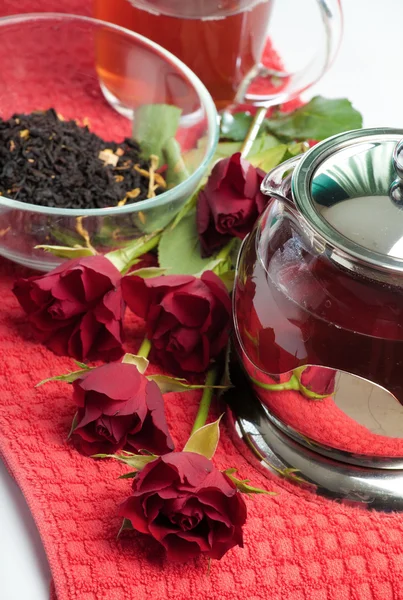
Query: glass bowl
[[98, 74]]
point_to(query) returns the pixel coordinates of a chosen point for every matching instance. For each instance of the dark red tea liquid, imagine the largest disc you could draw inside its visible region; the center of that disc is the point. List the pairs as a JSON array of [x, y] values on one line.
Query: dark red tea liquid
[[302, 309]]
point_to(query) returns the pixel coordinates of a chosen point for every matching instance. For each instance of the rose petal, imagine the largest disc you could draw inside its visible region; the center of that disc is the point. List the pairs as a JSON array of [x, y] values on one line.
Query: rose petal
[[111, 307], [119, 425], [218, 173], [95, 284], [100, 264], [132, 509], [204, 217], [192, 468], [90, 415], [152, 507], [24, 290], [197, 360], [240, 175], [136, 295], [59, 342], [89, 447], [119, 381], [138, 292], [153, 435], [190, 305], [154, 477], [179, 549], [183, 340], [107, 344], [160, 322], [69, 286], [218, 289]]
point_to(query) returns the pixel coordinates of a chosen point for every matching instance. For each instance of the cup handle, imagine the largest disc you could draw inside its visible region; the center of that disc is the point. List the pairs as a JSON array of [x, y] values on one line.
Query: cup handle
[[296, 83], [277, 182]]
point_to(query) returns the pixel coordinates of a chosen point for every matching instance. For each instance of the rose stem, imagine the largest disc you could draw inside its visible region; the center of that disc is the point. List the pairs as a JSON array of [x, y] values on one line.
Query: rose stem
[[253, 130], [145, 348], [133, 251], [206, 398]]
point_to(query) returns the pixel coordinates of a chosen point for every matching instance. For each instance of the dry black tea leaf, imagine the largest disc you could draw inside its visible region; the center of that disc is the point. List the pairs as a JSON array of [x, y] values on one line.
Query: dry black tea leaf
[[48, 161]]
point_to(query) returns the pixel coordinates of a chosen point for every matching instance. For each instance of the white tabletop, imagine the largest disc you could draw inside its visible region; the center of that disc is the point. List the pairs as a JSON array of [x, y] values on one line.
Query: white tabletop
[[368, 71]]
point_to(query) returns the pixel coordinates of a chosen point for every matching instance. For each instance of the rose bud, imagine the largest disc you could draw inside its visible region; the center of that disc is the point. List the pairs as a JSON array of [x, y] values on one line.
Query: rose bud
[[230, 203], [316, 382], [188, 319], [76, 309], [118, 407], [187, 505]]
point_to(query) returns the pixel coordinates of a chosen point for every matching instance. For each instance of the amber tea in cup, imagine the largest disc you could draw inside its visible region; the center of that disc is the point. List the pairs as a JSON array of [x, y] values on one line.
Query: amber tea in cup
[[221, 41]]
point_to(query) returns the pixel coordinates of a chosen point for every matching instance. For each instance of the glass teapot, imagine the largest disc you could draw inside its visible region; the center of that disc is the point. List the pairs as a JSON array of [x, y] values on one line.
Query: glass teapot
[[319, 295]]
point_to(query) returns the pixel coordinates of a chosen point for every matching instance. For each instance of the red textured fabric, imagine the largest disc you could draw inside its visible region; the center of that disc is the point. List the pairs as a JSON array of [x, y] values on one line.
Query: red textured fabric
[[297, 546]]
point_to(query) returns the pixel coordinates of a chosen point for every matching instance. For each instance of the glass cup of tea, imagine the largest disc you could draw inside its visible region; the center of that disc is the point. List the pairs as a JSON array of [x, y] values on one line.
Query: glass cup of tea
[[222, 42]]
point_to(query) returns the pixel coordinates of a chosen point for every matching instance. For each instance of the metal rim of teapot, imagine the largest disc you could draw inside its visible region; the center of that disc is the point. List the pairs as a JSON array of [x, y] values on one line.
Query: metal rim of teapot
[[303, 167]]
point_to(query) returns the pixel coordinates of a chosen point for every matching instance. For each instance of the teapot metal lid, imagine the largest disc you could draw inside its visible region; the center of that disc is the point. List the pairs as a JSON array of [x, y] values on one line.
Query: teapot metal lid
[[350, 190]]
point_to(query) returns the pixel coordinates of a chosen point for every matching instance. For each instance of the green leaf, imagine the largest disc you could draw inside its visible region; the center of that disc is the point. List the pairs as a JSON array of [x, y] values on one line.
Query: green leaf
[[136, 461], [228, 279], [148, 272], [65, 237], [235, 127], [153, 125], [261, 144], [73, 425], [243, 486], [224, 261], [81, 365], [268, 159], [204, 440], [317, 120], [296, 148], [126, 525], [189, 206], [175, 384], [125, 257], [68, 378], [179, 248], [218, 265], [224, 149], [139, 361], [66, 252], [192, 158], [130, 475], [176, 171]]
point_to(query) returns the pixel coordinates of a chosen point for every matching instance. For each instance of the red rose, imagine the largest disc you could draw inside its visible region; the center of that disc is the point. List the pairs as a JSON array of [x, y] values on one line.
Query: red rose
[[188, 319], [76, 309], [119, 407], [230, 202], [317, 382], [187, 505]]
